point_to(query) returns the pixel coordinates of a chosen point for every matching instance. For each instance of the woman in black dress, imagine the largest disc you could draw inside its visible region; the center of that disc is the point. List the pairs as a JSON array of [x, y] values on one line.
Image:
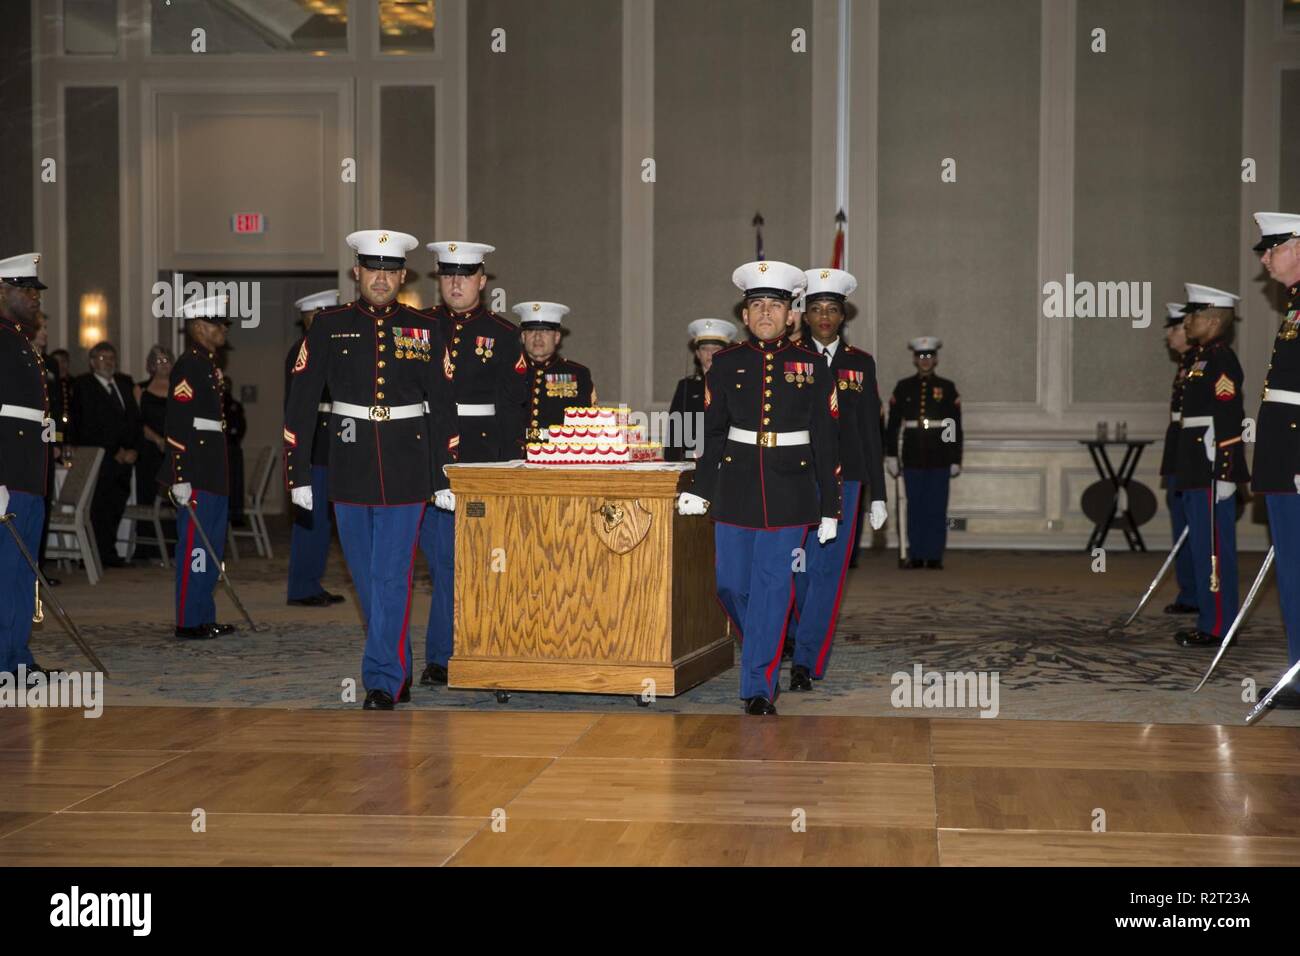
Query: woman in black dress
[[151, 396]]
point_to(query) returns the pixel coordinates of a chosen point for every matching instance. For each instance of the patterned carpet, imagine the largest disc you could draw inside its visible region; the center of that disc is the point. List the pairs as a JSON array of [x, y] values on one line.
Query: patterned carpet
[[1041, 621]]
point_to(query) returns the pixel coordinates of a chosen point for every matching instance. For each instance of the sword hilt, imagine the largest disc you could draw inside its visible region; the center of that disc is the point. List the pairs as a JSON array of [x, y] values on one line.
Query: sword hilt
[[1214, 575]]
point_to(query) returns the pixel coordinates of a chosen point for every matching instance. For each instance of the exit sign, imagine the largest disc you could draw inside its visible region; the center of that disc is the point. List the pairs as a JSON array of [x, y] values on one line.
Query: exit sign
[[247, 223]]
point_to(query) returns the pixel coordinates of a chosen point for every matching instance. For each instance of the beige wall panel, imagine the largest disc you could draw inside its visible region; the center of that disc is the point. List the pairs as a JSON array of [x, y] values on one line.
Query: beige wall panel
[[1157, 175], [544, 163], [1289, 187], [959, 259], [732, 136], [406, 178], [273, 153]]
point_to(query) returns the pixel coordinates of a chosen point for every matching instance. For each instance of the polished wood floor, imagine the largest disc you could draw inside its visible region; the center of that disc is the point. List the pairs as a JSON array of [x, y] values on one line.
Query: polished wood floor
[[208, 786]]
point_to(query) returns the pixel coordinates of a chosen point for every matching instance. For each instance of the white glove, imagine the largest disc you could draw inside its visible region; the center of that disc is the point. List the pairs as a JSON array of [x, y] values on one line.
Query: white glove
[[444, 500], [1297, 488], [827, 531], [689, 504], [301, 497], [891, 465], [4, 497], [1209, 443], [1223, 490], [182, 493], [878, 515], [954, 471]]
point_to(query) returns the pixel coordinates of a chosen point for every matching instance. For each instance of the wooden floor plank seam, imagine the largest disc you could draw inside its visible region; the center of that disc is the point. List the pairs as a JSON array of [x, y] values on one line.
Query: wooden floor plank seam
[[125, 780]]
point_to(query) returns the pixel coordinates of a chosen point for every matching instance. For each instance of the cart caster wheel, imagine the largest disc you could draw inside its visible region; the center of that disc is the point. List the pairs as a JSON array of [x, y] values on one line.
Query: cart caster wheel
[[641, 701], [503, 697]]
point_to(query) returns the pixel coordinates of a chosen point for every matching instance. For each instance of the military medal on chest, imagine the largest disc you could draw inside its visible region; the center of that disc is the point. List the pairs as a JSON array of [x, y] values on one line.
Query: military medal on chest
[[799, 372], [483, 346], [412, 344], [1290, 327], [850, 378]]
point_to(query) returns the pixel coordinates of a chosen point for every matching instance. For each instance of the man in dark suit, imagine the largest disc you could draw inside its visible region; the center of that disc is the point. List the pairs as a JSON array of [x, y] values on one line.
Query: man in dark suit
[[106, 416]]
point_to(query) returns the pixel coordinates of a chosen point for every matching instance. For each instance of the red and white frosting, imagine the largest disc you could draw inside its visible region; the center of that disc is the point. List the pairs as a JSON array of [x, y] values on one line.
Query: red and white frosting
[[593, 453], [606, 416]]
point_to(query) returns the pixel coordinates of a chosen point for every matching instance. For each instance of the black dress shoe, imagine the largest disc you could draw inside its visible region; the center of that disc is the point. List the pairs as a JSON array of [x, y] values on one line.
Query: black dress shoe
[[316, 600], [433, 674], [934, 565], [800, 679], [1178, 608], [202, 632], [1195, 638], [405, 696], [378, 700], [1288, 698], [759, 706], [220, 629], [34, 669], [333, 598]]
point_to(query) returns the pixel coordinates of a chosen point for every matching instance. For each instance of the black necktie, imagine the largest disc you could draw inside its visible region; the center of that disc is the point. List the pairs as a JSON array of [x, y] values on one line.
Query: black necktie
[[112, 387]]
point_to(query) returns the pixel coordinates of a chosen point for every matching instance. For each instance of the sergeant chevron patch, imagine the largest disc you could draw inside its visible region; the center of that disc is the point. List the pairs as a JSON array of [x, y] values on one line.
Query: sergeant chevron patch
[[301, 362], [183, 392], [1224, 388]]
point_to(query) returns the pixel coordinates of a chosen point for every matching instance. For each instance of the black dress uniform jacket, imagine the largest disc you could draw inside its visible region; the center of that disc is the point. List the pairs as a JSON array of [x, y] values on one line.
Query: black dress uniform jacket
[[688, 400], [1212, 388], [320, 446], [1277, 434], [59, 389], [487, 369], [925, 399], [553, 386], [1169, 455], [24, 458], [861, 454], [772, 386], [195, 456], [378, 358]]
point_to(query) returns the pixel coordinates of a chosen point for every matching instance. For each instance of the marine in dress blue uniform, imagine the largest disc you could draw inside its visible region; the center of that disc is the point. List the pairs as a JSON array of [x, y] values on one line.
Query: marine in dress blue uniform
[[1277, 434], [769, 472], [1185, 353], [388, 373], [25, 431], [925, 410], [1211, 462], [554, 383], [196, 468], [819, 586], [685, 437], [309, 545], [489, 384]]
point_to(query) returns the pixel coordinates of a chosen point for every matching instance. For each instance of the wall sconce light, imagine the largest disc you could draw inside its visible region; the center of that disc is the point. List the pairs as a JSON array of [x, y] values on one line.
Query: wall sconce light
[[94, 319], [411, 298]]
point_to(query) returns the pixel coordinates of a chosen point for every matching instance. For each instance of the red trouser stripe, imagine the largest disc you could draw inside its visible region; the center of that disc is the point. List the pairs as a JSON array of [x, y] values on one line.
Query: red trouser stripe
[[188, 557], [1218, 595]]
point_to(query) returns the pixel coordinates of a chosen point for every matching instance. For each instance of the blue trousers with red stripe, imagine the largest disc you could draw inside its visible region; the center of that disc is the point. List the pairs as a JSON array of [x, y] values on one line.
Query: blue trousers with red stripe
[[197, 571], [379, 547], [1183, 570], [309, 546], [1284, 523], [18, 580], [819, 586], [438, 542], [755, 577], [927, 512], [1217, 608]]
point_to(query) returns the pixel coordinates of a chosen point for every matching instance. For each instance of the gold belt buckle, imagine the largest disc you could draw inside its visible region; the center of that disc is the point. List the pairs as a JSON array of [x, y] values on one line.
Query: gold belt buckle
[[767, 439], [379, 413]]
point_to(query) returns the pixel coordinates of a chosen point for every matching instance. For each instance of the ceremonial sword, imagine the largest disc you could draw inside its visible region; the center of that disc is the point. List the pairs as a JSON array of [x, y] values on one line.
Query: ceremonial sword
[[1263, 704], [1164, 569], [67, 622], [1241, 616], [221, 565]]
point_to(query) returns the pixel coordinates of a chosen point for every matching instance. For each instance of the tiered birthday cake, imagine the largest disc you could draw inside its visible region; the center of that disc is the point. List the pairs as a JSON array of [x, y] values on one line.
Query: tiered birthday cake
[[594, 436]]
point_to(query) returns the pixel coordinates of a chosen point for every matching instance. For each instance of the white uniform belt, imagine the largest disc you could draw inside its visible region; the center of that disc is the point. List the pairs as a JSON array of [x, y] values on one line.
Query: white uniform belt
[[1281, 395], [378, 413], [207, 425], [324, 407], [475, 411], [1175, 416], [1198, 421], [923, 423], [23, 412], [768, 439]]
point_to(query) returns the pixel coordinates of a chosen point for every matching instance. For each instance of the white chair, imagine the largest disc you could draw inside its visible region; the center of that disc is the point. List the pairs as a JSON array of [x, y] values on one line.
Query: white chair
[[151, 514], [70, 512], [254, 505]]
